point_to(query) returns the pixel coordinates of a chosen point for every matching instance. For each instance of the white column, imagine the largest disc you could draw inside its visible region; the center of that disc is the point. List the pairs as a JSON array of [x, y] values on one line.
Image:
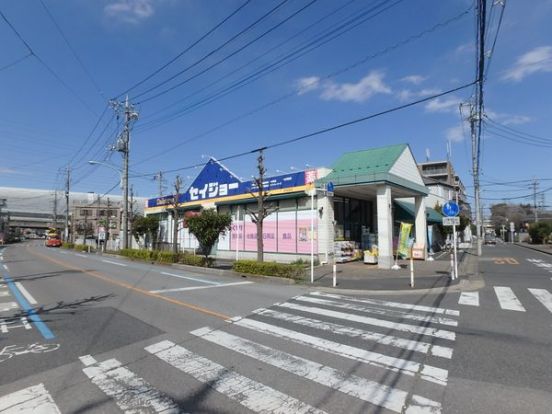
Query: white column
[[421, 222], [385, 227]]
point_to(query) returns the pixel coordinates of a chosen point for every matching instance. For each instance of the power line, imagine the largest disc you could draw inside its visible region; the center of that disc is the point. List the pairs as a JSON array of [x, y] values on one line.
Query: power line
[[73, 51], [170, 62], [15, 62], [295, 91], [283, 61], [43, 63], [517, 132], [197, 62], [332, 128], [491, 51]]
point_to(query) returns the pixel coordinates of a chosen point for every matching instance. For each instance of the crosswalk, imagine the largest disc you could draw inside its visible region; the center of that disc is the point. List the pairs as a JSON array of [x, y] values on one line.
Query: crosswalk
[[361, 354], [506, 298]]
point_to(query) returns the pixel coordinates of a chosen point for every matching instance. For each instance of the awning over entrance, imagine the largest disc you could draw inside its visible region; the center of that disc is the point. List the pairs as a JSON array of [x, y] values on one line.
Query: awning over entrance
[[405, 211]]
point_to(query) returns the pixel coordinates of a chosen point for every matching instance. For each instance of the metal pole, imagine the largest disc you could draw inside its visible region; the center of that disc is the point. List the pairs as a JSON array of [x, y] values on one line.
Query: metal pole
[[67, 185], [411, 269], [237, 234], [312, 236], [454, 251]]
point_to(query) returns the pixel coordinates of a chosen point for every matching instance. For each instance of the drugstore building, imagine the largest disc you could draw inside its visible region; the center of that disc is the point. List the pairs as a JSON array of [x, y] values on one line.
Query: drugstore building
[[360, 200]]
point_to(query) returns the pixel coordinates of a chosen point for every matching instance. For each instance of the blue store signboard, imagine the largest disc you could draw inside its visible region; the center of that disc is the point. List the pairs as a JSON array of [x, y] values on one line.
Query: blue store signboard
[[216, 181]]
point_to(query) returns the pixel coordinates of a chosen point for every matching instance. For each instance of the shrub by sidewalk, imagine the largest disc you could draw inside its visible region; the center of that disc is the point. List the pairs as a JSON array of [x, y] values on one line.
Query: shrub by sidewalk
[[161, 256], [290, 271]]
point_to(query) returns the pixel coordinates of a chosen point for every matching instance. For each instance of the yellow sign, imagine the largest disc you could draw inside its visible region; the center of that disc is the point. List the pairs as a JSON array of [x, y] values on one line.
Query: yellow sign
[[403, 246]]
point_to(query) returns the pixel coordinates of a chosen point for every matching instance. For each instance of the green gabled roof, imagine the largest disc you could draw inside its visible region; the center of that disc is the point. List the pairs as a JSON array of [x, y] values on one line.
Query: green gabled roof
[[370, 161], [370, 166], [407, 211]]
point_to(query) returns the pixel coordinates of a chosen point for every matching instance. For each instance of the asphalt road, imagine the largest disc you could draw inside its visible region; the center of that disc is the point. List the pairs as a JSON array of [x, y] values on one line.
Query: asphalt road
[[90, 334]]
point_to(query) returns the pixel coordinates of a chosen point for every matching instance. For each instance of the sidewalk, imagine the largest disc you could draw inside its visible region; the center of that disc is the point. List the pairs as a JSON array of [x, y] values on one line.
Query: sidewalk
[[543, 248], [364, 277]]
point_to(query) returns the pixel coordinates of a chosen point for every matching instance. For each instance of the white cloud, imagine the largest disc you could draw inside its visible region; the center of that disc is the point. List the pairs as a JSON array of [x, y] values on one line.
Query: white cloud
[[4, 170], [537, 60], [468, 47], [130, 11], [455, 134], [508, 119], [361, 91], [408, 95], [307, 84], [414, 79], [446, 104]]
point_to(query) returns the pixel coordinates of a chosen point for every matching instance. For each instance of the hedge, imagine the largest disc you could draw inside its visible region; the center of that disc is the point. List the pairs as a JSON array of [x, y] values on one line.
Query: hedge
[[291, 271], [164, 257]]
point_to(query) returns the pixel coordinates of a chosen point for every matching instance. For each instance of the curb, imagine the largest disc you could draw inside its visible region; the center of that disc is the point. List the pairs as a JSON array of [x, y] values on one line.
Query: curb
[[533, 248]]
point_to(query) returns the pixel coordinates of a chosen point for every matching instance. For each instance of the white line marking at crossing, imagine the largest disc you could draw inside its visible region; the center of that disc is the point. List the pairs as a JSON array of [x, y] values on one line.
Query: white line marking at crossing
[[35, 399], [407, 306], [543, 296], [364, 389], [417, 346], [6, 267], [62, 252], [87, 360], [469, 299], [251, 394], [412, 368], [115, 263], [131, 393], [80, 255], [507, 299], [8, 306], [26, 293], [200, 287], [191, 278], [423, 330], [377, 311]]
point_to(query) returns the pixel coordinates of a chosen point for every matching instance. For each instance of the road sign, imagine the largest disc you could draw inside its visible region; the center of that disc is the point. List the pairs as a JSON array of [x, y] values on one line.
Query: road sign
[[451, 221], [101, 235], [330, 189], [512, 226], [451, 209]]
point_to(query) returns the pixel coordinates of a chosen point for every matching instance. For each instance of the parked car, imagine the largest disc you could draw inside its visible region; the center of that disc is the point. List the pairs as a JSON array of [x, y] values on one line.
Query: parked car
[[490, 239]]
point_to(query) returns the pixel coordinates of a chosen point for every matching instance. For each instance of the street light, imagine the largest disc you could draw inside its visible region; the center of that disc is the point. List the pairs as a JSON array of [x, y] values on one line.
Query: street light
[[122, 183]]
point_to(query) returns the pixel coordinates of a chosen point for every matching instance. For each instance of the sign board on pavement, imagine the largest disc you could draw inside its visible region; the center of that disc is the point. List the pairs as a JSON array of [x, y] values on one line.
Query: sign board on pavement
[[330, 189], [451, 221]]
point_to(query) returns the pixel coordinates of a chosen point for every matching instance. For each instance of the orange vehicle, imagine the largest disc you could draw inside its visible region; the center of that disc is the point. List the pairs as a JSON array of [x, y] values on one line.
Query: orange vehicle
[[52, 238]]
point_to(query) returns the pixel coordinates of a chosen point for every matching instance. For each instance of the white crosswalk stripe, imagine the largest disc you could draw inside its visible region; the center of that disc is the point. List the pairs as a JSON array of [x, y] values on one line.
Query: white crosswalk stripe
[[251, 394], [507, 299], [543, 296], [358, 387], [469, 299], [31, 400], [294, 353], [131, 393]]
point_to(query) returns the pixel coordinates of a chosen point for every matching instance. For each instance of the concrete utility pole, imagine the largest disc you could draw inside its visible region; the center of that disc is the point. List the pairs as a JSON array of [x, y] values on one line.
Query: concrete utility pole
[[535, 185], [55, 208], [131, 215], [123, 146], [67, 187], [177, 187], [476, 185]]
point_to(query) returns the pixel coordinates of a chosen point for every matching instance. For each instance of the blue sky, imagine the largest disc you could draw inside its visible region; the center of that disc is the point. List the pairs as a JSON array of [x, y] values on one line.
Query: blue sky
[[45, 120]]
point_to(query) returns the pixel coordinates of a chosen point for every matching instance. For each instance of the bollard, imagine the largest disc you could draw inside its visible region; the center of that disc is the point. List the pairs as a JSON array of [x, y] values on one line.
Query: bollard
[[334, 275], [452, 266]]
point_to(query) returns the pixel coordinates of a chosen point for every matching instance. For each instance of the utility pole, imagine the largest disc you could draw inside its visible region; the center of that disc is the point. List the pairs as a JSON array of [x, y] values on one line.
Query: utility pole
[[131, 215], [177, 186], [159, 177], [67, 187], [123, 146], [535, 185], [476, 114], [55, 208]]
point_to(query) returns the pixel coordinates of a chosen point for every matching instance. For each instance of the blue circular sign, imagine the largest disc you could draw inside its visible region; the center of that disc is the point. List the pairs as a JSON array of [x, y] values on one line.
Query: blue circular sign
[[451, 209]]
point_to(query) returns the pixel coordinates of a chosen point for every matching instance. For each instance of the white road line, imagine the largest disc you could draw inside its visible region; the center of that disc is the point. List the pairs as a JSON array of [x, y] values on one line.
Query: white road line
[[31, 400], [469, 299], [422, 330], [407, 306], [543, 296], [131, 393], [377, 311], [364, 389], [200, 287], [191, 278], [411, 368], [8, 306], [26, 293], [507, 299], [251, 394], [80, 255], [115, 263], [410, 345], [6, 267], [4, 292], [62, 252]]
